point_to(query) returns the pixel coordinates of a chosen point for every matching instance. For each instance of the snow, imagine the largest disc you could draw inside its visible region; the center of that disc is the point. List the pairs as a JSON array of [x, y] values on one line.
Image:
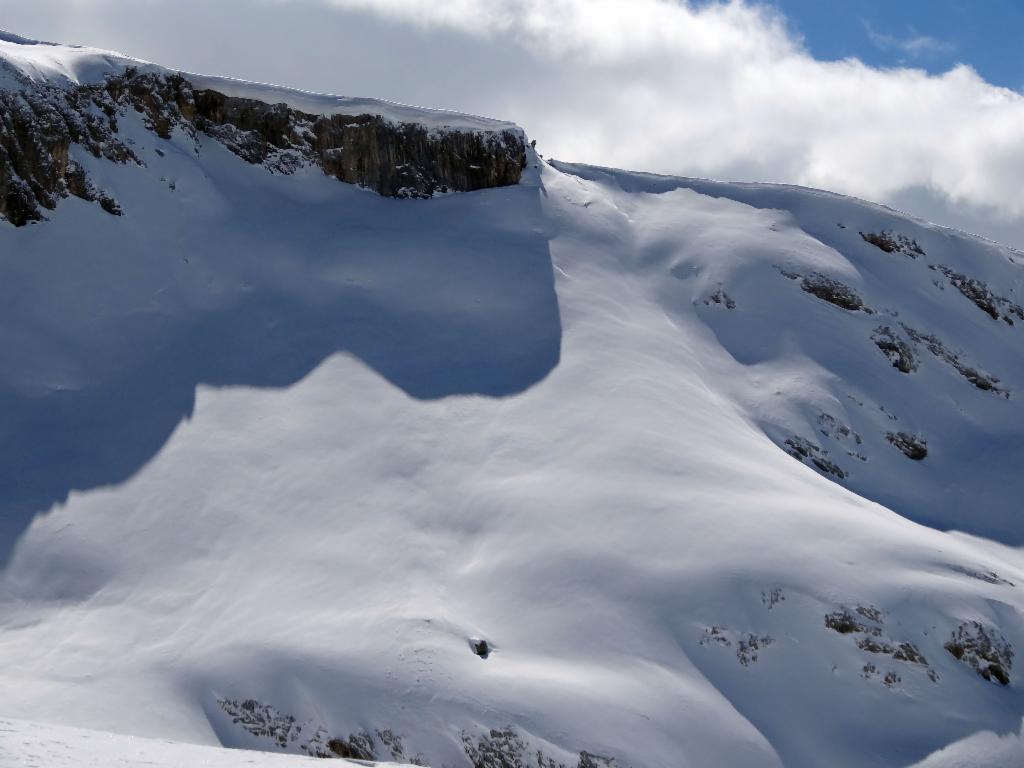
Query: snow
[[73, 65], [794, 358], [321, 104], [59, 64], [36, 745], [273, 437], [981, 750]]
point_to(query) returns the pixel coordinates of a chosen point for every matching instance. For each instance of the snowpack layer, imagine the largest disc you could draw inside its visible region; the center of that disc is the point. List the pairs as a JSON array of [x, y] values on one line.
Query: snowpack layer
[[598, 469]]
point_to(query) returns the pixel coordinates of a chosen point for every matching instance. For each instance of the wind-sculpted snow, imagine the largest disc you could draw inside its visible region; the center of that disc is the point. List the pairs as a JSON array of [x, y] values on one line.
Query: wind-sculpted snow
[[912, 330], [577, 473]]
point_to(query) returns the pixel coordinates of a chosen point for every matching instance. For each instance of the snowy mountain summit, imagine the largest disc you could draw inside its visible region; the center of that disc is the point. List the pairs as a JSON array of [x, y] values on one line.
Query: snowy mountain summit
[[338, 428]]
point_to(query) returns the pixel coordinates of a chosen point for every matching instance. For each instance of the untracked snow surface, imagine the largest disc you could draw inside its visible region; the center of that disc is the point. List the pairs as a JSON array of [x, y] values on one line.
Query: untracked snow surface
[[599, 469], [36, 745]]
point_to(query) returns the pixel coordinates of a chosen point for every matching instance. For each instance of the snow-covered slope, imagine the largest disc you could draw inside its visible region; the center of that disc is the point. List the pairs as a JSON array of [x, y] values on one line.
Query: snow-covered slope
[[503, 475], [920, 333], [37, 745]]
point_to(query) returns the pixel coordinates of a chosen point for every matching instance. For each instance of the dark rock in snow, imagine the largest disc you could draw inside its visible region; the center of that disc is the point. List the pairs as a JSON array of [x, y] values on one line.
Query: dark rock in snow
[[721, 298], [834, 292], [801, 448], [895, 348], [912, 447], [995, 306], [358, 746], [481, 648], [983, 649], [893, 243], [934, 345], [40, 123]]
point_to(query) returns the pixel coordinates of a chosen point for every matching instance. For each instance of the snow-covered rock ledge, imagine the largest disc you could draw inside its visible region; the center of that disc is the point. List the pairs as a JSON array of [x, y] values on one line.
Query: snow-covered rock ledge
[[55, 97]]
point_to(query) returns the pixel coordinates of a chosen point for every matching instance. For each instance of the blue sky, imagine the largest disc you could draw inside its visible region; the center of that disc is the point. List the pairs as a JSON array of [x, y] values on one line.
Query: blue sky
[[933, 35]]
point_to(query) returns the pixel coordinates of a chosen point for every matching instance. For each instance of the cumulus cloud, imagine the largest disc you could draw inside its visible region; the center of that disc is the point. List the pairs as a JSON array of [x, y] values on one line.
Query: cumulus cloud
[[717, 89]]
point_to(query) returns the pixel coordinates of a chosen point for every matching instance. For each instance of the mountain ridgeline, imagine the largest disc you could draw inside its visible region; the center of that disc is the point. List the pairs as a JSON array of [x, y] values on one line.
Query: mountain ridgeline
[[39, 122]]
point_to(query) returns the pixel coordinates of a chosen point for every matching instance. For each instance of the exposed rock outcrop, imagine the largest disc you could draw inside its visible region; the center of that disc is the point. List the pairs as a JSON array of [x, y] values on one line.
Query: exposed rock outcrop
[[995, 306], [912, 447], [834, 292], [895, 348], [894, 243], [507, 748], [983, 381], [804, 450], [867, 626], [38, 126], [40, 122], [983, 649]]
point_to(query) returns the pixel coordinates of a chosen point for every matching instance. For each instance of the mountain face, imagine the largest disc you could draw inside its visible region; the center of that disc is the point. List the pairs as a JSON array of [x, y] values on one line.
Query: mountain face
[[481, 459], [396, 158]]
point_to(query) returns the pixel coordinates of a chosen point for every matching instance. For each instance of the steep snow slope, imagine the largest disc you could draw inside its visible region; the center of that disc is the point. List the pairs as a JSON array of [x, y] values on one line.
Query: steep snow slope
[[320, 444], [813, 370]]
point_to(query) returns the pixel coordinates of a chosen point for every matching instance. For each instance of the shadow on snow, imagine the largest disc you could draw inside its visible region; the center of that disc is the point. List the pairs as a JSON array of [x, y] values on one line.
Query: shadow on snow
[[103, 343]]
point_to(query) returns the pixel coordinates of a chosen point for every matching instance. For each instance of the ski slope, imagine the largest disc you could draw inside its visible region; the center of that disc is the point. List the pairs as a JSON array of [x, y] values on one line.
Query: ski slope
[[274, 438]]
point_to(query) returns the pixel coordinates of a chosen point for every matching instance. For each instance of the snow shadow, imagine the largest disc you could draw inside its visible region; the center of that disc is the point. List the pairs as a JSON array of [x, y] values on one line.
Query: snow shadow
[[102, 345]]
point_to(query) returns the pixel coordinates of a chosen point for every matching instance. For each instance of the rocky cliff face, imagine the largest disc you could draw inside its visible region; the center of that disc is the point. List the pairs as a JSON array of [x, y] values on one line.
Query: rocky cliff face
[[39, 123]]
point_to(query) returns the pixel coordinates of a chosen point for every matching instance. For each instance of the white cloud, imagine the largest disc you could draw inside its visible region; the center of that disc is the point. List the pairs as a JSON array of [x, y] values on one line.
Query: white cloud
[[914, 44]]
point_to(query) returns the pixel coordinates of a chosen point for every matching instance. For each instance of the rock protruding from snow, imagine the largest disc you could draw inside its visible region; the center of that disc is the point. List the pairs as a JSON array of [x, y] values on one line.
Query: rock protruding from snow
[[394, 159], [983, 649], [40, 121]]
